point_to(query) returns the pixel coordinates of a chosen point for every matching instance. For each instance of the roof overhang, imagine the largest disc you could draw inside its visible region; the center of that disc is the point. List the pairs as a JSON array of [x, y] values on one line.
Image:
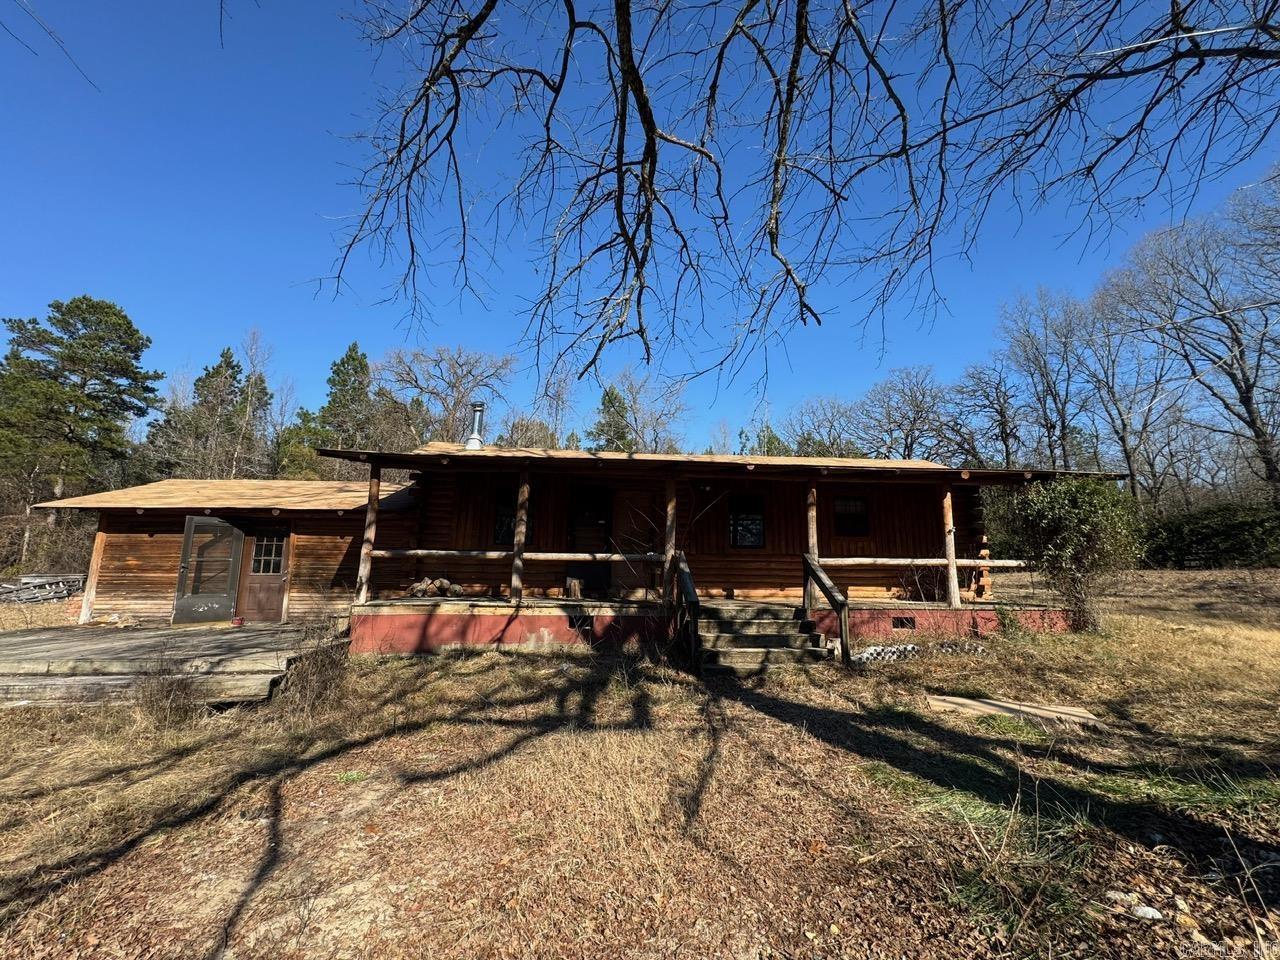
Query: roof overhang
[[692, 465], [238, 496]]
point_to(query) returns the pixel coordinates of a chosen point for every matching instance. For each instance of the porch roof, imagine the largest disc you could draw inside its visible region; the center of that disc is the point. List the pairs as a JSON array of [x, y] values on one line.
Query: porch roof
[[443, 454], [294, 495]]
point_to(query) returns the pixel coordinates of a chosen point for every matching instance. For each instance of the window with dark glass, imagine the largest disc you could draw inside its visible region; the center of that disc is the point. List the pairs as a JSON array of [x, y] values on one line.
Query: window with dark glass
[[746, 522], [268, 554], [851, 517], [504, 519]]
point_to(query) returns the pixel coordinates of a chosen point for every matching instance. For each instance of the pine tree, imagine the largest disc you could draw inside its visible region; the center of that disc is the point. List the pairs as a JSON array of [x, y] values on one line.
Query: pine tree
[[612, 431], [220, 431], [346, 418], [766, 443], [69, 387]]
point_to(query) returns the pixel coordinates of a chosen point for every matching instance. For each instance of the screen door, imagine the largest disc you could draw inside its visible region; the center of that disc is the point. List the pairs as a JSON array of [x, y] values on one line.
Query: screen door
[[210, 571]]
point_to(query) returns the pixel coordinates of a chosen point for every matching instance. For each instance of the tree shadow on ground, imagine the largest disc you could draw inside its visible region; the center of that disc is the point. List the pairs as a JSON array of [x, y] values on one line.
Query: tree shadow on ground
[[973, 764], [570, 700]]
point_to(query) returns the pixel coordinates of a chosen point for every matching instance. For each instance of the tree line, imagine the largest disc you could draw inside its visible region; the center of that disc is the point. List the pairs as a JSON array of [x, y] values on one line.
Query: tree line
[[1169, 372]]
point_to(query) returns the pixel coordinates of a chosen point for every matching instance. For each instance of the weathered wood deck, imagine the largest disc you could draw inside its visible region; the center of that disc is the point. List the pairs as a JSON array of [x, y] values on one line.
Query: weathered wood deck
[[87, 663]]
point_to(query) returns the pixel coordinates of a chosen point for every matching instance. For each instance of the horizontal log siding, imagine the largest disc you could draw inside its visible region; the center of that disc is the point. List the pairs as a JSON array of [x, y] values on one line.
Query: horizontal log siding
[[138, 574], [460, 513], [905, 520], [326, 556], [139, 571], [141, 553]]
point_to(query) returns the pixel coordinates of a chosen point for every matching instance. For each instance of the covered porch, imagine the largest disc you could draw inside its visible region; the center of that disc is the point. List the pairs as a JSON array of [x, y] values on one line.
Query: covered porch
[[555, 547]]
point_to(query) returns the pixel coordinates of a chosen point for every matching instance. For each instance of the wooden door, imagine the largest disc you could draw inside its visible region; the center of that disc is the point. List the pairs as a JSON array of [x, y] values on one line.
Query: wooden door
[[264, 578], [591, 531], [209, 571]]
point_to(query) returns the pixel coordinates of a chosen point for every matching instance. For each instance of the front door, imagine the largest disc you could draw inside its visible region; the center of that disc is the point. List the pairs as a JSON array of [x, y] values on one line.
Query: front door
[[264, 576], [591, 531], [209, 571]]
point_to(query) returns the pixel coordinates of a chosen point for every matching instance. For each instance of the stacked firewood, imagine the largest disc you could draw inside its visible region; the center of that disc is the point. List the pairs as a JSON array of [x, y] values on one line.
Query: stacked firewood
[[437, 587]]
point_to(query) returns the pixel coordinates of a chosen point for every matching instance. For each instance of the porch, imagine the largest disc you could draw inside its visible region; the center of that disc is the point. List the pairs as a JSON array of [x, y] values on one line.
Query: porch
[[553, 548]]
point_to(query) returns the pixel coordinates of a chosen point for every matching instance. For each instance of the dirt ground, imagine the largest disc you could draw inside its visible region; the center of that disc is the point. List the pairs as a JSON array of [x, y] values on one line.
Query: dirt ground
[[509, 806]]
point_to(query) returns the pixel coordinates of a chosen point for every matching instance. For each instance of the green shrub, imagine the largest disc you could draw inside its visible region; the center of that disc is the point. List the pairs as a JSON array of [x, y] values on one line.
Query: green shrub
[[1216, 536], [1075, 532]]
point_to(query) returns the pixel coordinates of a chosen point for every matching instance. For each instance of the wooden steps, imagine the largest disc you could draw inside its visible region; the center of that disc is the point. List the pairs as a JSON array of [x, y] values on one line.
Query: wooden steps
[[745, 638]]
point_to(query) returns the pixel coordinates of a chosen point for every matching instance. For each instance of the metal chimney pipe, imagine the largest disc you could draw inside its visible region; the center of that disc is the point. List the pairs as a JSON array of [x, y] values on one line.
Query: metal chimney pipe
[[476, 440]]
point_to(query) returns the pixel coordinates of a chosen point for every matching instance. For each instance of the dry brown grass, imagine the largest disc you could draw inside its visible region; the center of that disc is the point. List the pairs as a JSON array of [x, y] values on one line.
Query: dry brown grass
[[28, 616], [524, 806]]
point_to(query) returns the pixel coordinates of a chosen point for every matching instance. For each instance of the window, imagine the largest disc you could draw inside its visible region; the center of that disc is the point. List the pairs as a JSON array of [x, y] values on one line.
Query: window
[[268, 554], [746, 522], [504, 519], [851, 517]]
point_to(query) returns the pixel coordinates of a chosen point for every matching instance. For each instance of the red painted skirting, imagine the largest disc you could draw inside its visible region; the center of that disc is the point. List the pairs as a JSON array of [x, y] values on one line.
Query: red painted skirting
[[428, 630], [877, 623], [408, 631]]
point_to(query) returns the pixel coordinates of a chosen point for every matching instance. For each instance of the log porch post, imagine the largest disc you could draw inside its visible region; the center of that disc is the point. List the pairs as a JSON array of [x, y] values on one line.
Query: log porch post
[[949, 543], [811, 522], [365, 573], [669, 540], [517, 545]]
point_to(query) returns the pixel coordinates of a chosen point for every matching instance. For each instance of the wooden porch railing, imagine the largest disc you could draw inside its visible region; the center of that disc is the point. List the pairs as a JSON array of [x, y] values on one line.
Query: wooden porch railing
[[517, 578], [814, 575], [414, 553], [916, 562], [686, 608]]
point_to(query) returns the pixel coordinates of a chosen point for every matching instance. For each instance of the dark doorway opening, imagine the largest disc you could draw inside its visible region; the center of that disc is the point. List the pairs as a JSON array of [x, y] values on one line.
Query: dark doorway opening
[[591, 531]]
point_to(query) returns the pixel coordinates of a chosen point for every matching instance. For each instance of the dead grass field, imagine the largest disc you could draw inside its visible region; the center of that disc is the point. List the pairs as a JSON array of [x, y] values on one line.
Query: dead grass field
[[26, 616], [504, 806]]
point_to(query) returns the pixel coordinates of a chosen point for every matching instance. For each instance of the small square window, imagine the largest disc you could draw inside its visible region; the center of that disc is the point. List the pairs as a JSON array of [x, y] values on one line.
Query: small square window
[[851, 517], [746, 522], [268, 555]]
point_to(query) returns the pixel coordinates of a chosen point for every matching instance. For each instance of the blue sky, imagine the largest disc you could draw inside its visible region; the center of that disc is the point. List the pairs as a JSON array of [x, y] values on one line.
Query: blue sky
[[204, 189]]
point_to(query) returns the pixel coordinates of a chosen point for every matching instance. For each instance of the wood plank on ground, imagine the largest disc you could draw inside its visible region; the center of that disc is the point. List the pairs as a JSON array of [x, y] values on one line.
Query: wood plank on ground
[[1013, 708]]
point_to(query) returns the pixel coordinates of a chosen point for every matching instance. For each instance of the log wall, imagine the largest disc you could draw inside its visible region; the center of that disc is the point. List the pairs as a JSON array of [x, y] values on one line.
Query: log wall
[[141, 553], [138, 569]]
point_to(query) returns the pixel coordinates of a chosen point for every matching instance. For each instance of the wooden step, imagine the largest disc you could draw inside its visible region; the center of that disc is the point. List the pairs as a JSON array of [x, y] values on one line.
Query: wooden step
[[756, 657], [749, 610], [755, 641], [762, 625]]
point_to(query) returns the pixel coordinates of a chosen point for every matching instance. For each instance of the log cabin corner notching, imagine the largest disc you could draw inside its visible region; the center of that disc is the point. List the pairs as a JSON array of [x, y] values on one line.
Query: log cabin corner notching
[[552, 546]]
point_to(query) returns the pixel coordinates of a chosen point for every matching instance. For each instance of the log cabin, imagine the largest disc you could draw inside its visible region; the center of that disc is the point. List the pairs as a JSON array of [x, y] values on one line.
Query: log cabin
[[560, 547]]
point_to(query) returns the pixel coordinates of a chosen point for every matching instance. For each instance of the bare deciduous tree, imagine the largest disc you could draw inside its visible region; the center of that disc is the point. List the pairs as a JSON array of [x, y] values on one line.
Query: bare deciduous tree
[[436, 388], [1196, 293], [823, 427], [984, 416], [1040, 333], [674, 157], [898, 417]]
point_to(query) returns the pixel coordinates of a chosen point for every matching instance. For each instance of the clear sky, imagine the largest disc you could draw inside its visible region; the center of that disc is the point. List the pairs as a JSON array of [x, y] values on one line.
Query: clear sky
[[204, 189]]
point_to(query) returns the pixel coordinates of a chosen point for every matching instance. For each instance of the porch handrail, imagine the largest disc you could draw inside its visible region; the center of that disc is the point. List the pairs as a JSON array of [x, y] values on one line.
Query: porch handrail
[[686, 607], [415, 553], [918, 562], [814, 574]]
